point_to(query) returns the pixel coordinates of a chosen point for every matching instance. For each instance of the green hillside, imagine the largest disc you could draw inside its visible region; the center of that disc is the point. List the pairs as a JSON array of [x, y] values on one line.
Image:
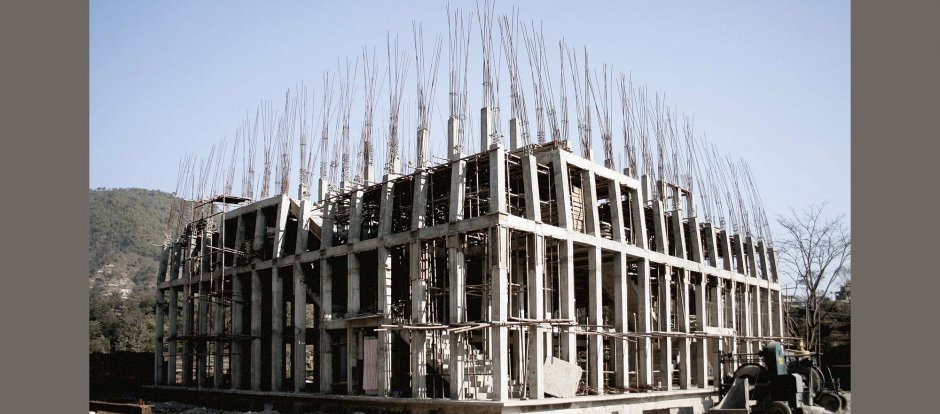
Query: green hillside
[[126, 231]]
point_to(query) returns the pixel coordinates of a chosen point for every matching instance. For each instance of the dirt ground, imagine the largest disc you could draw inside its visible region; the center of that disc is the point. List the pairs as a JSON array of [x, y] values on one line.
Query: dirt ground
[[177, 408]]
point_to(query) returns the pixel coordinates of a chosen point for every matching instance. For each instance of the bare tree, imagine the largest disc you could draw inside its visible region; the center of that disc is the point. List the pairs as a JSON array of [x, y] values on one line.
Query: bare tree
[[815, 253]]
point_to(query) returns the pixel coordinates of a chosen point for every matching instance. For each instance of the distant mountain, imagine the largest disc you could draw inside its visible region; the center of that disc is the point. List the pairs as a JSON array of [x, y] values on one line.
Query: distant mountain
[[127, 228]]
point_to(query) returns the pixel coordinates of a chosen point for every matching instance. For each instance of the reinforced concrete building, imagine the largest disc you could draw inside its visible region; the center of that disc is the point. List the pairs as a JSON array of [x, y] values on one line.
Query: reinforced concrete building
[[520, 277]]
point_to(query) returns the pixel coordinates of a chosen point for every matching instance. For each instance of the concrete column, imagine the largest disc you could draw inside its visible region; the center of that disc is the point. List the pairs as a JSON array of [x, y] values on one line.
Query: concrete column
[[187, 332], [592, 223], [355, 212], [761, 252], [515, 134], [423, 148], [725, 242], [237, 347], [322, 189], [562, 191], [175, 255], [750, 256], [568, 344], [737, 245], [255, 368], [353, 291], [700, 368], [158, 374], [419, 205], [418, 316], [486, 128], [498, 180], [616, 212], [621, 320], [353, 337], [172, 304], [695, 240], [218, 329], [748, 324], [299, 348], [385, 207], [458, 174], [277, 329], [711, 245], [645, 323], [159, 311], [326, 310], [733, 297], [530, 178], [283, 206], [767, 324], [454, 150], [756, 319], [457, 295], [202, 345], [665, 319], [639, 220], [499, 335], [772, 264], [535, 284], [238, 324], [384, 359], [659, 224], [678, 233], [329, 222], [685, 343], [595, 318]]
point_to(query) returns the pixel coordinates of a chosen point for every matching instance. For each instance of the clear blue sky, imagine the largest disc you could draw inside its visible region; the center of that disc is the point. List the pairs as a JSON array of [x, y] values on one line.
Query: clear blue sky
[[767, 81]]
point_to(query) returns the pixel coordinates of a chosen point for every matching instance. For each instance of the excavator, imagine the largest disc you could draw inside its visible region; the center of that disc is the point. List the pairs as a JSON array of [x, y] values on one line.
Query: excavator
[[776, 381]]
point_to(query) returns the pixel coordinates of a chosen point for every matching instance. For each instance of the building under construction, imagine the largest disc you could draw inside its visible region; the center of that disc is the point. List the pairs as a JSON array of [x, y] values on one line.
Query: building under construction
[[521, 277]]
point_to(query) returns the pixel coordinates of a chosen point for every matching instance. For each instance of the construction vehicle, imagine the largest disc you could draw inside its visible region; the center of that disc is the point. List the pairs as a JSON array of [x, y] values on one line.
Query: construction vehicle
[[775, 381]]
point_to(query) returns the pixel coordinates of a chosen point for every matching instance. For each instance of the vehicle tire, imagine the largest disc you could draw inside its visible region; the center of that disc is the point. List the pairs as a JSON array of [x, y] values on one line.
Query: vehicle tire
[[778, 407], [829, 401]]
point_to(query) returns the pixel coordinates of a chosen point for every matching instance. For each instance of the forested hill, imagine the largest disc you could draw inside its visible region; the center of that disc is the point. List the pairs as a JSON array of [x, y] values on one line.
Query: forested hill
[[126, 233]]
